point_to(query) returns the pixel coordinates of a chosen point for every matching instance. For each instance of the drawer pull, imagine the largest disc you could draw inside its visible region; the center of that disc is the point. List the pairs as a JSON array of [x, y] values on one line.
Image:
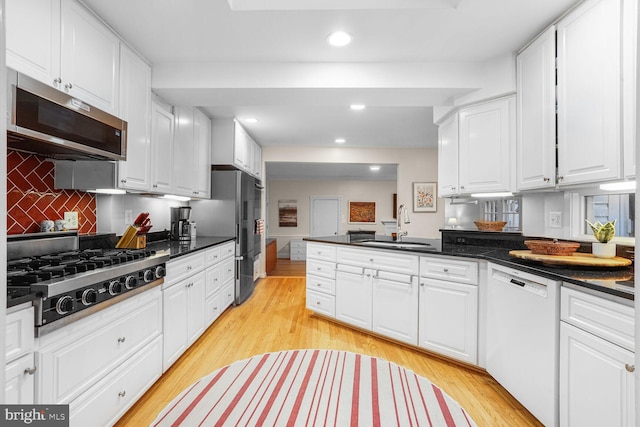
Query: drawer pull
[[318, 303], [630, 368], [370, 259], [318, 284], [121, 339], [31, 371], [318, 268], [446, 270], [123, 393]]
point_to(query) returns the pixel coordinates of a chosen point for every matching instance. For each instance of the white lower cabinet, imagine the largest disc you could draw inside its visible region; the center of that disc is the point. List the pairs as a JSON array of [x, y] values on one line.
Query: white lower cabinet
[[596, 363], [395, 306], [448, 319], [109, 399], [354, 296], [19, 380], [321, 279], [101, 364], [20, 365], [448, 312]]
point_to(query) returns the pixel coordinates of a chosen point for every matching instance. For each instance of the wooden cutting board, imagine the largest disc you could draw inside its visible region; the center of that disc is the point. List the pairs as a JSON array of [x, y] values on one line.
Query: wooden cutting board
[[578, 258]]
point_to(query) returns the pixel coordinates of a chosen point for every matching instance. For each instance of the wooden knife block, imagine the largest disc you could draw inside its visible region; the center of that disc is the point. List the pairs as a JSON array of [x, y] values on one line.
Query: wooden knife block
[[132, 240]]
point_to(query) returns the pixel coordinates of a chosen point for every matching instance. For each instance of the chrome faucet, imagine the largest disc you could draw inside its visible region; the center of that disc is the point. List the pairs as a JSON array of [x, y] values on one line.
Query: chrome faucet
[[403, 217]]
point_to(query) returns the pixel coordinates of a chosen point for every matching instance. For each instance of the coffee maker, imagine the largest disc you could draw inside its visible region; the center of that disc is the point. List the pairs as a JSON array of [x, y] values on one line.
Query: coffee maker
[[180, 225]]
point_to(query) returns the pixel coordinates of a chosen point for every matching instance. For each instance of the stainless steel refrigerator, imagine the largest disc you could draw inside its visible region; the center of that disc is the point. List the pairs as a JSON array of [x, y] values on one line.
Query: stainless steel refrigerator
[[233, 211]]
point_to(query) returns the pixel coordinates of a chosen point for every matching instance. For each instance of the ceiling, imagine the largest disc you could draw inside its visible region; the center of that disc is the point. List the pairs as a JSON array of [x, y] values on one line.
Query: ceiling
[[275, 65]]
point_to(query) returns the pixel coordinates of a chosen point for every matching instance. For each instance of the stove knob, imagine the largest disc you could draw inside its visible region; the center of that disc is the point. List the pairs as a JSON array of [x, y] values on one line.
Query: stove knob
[[148, 276], [89, 296], [160, 271], [115, 287], [64, 305], [130, 282]]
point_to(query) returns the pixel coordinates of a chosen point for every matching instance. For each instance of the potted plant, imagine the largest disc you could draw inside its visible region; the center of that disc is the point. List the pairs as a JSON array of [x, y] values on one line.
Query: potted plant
[[603, 233]]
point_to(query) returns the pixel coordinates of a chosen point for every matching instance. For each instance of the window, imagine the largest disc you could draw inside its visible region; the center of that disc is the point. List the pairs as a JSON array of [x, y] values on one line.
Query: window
[[609, 207], [504, 210]]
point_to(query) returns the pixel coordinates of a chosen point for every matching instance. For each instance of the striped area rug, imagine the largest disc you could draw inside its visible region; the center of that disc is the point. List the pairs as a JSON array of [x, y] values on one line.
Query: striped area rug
[[313, 388]]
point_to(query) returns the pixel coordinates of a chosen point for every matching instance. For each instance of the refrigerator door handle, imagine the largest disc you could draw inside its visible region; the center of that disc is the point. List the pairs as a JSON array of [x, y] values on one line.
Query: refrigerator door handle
[[240, 258]]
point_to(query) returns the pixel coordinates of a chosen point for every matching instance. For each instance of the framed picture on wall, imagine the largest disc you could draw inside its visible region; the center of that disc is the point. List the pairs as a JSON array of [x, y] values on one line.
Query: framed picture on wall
[[424, 197], [362, 212]]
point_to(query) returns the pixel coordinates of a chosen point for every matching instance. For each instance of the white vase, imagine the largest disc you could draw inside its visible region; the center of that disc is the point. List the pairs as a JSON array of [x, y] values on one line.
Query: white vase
[[603, 250]]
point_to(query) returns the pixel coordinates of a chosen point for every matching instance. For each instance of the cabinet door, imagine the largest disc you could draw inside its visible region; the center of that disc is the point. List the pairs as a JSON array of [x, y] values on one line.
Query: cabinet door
[[353, 298], [448, 157], [196, 305], [448, 319], [257, 160], [90, 58], [395, 306], [486, 141], [183, 151], [589, 93], [135, 108], [629, 84], [536, 115], [34, 49], [596, 389], [240, 146], [161, 149], [202, 152], [174, 324], [19, 381]]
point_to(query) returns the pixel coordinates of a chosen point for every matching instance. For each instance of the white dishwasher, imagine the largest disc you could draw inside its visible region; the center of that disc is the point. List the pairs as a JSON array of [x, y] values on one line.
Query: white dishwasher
[[523, 323]]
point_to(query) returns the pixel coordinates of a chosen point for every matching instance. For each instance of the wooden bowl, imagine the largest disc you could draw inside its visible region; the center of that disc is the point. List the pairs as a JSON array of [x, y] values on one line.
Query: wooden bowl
[[490, 225], [550, 247]]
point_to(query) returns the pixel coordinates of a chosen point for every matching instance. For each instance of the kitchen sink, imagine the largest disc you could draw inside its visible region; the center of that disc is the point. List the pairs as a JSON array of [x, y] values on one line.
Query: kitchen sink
[[400, 245]]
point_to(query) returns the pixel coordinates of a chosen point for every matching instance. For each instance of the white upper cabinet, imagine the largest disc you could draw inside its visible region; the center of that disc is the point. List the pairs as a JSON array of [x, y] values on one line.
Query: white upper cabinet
[[202, 162], [135, 108], [536, 115], [233, 146], [448, 157], [486, 137], [191, 152], [64, 45], [629, 76], [589, 66], [34, 49], [162, 129]]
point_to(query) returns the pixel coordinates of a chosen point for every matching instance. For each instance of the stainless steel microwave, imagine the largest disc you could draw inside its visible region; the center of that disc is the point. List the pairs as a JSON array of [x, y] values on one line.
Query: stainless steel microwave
[[49, 122]]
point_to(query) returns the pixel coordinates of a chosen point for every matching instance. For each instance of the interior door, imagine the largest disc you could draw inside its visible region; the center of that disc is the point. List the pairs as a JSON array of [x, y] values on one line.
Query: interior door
[[325, 216]]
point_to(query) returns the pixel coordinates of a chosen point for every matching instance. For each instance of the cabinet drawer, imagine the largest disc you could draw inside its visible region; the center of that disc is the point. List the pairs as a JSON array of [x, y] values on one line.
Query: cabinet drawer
[[213, 308], [379, 260], [228, 250], [179, 268], [109, 399], [606, 319], [321, 303], [74, 361], [321, 284], [297, 244], [19, 383], [321, 252], [213, 280], [449, 269], [321, 268], [228, 269], [227, 295], [19, 333], [213, 256]]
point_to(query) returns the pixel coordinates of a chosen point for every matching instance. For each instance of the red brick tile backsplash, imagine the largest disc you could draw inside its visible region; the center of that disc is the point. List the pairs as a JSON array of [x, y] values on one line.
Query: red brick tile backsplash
[[32, 198]]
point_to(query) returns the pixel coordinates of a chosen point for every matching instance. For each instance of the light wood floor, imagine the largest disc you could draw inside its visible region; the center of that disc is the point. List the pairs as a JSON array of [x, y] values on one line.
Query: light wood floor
[[274, 318], [288, 268]]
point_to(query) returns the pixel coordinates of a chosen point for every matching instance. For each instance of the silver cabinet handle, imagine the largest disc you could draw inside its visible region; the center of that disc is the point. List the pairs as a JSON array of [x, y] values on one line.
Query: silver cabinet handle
[[68, 86], [446, 270], [421, 283], [630, 368], [57, 81], [545, 179], [30, 371], [121, 339], [122, 393]]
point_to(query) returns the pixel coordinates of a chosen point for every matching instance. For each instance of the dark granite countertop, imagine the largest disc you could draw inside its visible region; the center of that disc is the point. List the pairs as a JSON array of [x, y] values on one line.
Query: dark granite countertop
[[618, 282], [178, 249]]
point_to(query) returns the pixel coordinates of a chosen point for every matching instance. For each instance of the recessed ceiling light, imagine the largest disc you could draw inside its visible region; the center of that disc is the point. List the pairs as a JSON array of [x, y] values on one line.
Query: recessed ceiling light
[[251, 120], [374, 167], [339, 38], [358, 106], [340, 140]]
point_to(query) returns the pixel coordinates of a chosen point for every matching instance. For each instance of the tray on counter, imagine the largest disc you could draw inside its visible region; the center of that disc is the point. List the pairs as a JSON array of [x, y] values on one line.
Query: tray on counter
[[578, 258]]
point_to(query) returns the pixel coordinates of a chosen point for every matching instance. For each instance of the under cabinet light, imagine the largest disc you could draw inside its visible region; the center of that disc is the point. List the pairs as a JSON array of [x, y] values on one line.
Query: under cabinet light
[[618, 186], [485, 195], [251, 120], [107, 191], [357, 107], [340, 140], [374, 167], [178, 198]]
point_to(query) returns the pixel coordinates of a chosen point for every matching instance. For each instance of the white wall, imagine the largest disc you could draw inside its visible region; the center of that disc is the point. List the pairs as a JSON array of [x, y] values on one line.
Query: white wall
[[380, 192], [111, 210], [414, 165]]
